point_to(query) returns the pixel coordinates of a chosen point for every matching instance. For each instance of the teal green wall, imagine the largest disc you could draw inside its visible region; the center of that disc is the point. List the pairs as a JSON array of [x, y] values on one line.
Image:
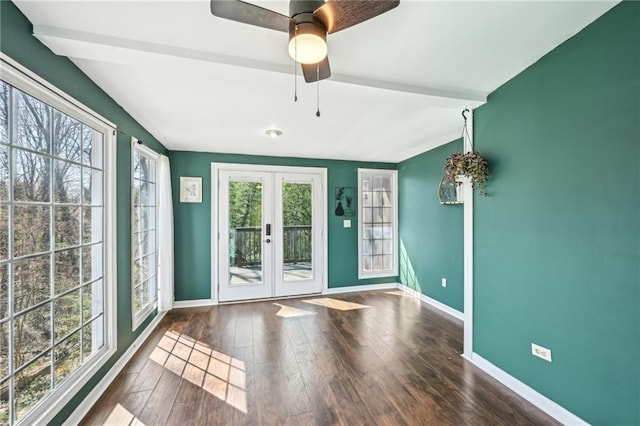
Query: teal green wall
[[192, 228], [17, 41], [431, 234], [557, 242]]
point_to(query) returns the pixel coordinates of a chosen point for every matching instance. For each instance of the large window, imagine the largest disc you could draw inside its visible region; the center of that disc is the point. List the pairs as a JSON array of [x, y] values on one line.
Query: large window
[[378, 223], [54, 322], [143, 231]]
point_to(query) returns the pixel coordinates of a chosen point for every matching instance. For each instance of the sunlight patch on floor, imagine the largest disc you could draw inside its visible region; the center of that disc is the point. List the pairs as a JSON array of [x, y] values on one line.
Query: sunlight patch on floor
[[219, 374], [121, 416], [340, 305], [396, 293], [291, 312]]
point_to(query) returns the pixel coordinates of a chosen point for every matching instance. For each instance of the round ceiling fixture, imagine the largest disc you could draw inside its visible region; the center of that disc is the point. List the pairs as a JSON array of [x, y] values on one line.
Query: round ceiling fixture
[[274, 133]]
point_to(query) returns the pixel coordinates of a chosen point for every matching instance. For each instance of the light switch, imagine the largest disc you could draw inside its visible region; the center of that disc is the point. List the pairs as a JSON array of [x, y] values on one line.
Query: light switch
[[347, 223]]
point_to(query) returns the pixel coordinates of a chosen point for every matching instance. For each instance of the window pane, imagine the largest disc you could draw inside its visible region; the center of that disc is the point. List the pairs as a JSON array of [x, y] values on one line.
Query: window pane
[[30, 176], [92, 147], [145, 193], [4, 118], [367, 215], [91, 186], [144, 168], [4, 291], [66, 137], [367, 199], [144, 268], [33, 122], [143, 243], [387, 262], [92, 224], [66, 314], [92, 300], [4, 232], [377, 263], [4, 353], [32, 384], [67, 270], [377, 247], [66, 187], [32, 334], [66, 225], [4, 173], [67, 357], [92, 337], [144, 218], [387, 231], [377, 231], [387, 246], [367, 247], [366, 264], [30, 282], [30, 230], [91, 262]]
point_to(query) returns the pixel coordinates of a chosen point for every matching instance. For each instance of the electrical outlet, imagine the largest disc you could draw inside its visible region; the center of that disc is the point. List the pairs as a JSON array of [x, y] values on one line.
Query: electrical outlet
[[541, 352], [444, 282]]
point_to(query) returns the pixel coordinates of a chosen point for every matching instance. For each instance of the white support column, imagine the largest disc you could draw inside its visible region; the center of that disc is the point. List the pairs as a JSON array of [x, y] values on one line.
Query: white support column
[[468, 248]]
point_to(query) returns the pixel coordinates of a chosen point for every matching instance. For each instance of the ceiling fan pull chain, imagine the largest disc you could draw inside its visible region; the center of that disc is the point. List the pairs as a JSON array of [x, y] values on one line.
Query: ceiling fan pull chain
[[318, 88], [295, 68]]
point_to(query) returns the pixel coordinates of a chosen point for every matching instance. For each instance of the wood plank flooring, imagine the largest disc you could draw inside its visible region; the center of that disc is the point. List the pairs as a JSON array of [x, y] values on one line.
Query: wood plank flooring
[[356, 359]]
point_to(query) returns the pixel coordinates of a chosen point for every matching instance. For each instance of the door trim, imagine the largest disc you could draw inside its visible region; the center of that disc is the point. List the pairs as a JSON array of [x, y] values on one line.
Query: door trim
[[215, 214]]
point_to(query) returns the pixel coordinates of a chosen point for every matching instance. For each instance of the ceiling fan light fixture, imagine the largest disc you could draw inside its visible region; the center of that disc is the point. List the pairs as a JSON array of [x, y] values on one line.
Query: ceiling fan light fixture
[[308, 45]]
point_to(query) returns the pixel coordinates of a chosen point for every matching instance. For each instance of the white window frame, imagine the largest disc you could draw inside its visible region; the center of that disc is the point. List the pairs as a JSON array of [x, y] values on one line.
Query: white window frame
[[393, 174], [140, 317], [27, 81]]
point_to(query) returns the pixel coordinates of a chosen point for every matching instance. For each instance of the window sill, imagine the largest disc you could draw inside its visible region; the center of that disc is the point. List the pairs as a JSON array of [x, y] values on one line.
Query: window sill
[[142, 316]]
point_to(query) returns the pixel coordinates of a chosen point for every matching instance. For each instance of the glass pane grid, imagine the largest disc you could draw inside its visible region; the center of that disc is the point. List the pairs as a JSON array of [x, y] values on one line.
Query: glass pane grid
[[43, 156], [377, 222], [143, 231]]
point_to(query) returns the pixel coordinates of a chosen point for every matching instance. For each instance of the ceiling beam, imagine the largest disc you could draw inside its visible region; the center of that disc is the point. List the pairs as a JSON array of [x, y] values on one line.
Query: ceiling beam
[[99, 47]]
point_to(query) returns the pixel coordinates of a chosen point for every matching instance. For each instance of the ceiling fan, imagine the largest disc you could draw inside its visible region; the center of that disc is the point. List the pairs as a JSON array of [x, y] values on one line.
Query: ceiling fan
[[308, 25]]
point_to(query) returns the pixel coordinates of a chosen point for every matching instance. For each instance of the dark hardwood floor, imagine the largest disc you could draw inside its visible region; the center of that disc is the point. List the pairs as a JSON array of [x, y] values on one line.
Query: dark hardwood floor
[[290, 362]]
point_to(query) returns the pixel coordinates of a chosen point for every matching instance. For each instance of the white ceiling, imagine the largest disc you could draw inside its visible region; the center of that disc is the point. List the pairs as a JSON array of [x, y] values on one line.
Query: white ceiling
[[399, 83]]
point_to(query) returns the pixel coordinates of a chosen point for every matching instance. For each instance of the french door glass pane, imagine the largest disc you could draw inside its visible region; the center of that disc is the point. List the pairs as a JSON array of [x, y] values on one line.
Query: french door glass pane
[[245, 232], [4, 353], [297, 214]]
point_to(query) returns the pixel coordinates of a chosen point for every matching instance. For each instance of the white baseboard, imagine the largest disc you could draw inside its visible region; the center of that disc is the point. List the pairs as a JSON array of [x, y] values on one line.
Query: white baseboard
[[433, 302], [90, 400], [553, 409], [194, 303], [356, 288]]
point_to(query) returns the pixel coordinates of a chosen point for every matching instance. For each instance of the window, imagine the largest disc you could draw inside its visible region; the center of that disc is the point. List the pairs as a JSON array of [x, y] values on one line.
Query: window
[[377, 216], [144, 239], [55, 282]]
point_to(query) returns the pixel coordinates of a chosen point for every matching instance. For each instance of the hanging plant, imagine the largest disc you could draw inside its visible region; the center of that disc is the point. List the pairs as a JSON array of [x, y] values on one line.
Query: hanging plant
[[471, 165]]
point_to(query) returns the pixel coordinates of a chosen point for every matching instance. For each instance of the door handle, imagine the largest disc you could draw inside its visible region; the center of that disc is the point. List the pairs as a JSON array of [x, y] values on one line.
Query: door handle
[[268, 231]]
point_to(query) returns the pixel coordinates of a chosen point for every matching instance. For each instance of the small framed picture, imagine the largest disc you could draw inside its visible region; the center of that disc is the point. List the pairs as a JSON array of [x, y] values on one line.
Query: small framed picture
[[190, 189]]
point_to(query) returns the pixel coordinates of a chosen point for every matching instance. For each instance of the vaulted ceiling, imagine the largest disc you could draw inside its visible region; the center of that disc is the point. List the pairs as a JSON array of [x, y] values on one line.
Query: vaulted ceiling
[[399, 83]]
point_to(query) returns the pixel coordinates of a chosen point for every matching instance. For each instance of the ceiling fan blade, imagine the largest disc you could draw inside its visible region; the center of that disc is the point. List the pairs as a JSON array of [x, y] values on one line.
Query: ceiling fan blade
[[310, 71], [240, 11], [337, 15]]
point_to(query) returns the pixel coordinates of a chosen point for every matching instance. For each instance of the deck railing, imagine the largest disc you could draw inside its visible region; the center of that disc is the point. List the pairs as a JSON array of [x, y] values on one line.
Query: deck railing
[[246, 244]]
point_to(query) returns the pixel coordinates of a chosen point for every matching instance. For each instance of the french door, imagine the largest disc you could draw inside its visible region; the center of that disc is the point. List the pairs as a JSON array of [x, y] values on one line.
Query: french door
[[270, 231]]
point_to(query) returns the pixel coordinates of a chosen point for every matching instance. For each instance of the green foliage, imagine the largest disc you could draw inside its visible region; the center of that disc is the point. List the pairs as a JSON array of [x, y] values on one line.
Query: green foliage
[[471, 165]]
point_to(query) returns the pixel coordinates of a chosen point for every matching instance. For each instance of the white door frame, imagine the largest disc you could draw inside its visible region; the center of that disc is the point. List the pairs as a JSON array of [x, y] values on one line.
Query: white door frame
[[215, 231]]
